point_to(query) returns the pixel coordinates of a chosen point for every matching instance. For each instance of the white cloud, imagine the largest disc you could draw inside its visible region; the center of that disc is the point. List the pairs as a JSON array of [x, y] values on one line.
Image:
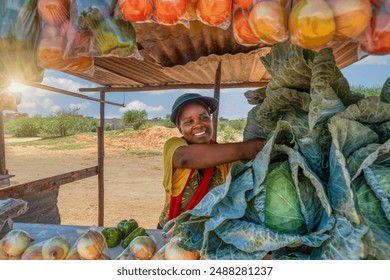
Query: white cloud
[[55, 109], [82, 106], [63, 83], [374, 60], [47, 103], [138, 105], [27, 105]]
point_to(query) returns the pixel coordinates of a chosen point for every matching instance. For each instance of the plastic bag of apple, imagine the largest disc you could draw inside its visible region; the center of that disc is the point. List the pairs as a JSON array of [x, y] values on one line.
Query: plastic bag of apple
[[19, 245]]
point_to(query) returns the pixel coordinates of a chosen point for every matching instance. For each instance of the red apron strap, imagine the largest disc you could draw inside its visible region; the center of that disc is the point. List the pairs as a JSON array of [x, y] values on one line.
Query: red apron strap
[[202, 189], [175, 201]]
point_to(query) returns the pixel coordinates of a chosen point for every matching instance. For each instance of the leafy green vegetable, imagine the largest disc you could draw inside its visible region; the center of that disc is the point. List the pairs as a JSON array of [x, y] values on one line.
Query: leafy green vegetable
[[282, 211], [385, 92], [319, 189]]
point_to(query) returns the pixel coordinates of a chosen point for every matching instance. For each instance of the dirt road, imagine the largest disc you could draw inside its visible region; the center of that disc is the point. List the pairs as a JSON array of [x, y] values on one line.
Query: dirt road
[[133, 187]]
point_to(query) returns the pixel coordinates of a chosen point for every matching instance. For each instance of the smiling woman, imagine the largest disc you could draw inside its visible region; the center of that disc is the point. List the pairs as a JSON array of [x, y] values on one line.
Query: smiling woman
[[193, 163]]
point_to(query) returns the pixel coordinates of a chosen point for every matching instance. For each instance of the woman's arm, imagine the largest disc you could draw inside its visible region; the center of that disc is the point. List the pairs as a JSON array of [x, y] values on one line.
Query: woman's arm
[[200, 156]]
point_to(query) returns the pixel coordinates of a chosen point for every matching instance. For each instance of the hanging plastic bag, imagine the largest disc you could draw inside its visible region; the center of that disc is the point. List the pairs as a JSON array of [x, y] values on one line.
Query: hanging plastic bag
[[53, 12], [109, 36], [134, 10], [78, 43], [376, 38], [351, 18], [264, 24], [215, 12], [311, 24], [18, 35], [243, 33], [170, 12], [51, 50], [268, 19]]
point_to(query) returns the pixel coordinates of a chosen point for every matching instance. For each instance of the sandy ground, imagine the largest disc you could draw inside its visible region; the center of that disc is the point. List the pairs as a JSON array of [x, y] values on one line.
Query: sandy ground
[[133, 187]]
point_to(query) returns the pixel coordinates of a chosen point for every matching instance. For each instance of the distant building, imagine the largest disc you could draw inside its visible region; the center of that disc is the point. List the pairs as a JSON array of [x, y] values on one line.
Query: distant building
[[114, 123]]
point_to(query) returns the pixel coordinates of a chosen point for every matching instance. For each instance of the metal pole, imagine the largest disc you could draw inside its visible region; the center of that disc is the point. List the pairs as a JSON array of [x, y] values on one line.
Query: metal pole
[[217, 90], [101, 162]]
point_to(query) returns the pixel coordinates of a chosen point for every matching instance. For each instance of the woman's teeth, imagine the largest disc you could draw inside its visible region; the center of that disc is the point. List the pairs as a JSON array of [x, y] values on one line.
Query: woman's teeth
[[200, 133]]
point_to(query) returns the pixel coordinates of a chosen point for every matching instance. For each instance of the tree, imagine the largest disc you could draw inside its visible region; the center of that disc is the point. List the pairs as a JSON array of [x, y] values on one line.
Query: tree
[[134, 118], [25, 127], [167, 121], [66, 122]]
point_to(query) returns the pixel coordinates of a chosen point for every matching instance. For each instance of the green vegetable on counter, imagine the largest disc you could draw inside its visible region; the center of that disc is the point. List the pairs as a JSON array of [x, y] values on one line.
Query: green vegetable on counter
[[113, 236], [127, 226], [140, 231]]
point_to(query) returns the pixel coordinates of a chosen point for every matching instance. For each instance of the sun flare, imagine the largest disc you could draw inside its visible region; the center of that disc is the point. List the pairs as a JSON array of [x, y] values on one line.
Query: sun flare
[[16, 87]]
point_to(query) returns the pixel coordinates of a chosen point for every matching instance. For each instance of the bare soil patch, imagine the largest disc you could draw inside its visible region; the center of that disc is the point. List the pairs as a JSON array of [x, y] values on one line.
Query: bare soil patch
[[133, 183]]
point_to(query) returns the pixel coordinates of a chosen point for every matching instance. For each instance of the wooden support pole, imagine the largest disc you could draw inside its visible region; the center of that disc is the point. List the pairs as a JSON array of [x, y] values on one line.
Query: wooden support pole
[[217, 90], [101, 162], [66, 92], [172, 87], [2, 146]]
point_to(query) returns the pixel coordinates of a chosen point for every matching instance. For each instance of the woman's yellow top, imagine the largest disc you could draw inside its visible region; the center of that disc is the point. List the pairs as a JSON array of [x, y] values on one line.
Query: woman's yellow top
[[175, 179]]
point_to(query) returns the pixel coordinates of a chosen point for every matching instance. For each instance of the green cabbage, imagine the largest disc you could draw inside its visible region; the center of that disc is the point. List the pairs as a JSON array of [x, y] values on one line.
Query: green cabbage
[[320, 187], [282, 211]]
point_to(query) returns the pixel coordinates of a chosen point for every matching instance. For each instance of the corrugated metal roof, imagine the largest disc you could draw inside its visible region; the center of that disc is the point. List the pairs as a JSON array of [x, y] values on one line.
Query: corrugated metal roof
[[176, 55]]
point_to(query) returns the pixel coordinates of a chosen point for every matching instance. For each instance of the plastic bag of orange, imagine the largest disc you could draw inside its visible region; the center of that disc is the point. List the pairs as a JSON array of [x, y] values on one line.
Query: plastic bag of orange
[[18, 35], [268, 19], [376, 37], [51, 48], [215, 12], [53, 11], [351, 17], [134, 10], [242, 31], [170, 11], [110, 36], [311, 24]]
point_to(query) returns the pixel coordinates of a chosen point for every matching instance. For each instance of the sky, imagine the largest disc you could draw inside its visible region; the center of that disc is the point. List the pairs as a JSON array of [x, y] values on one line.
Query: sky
[[371, 71]]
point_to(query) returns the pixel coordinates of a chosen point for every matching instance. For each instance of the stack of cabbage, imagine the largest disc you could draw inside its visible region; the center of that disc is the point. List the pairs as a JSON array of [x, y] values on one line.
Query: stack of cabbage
[[320, 188]]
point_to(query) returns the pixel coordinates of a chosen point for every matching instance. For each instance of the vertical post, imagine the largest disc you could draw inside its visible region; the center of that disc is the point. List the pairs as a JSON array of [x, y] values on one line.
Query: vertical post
[[217, 90], [2, 146], [101, 162]]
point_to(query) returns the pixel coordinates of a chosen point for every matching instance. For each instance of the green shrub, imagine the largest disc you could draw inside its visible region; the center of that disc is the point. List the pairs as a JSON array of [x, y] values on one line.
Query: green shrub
[[25, 127]]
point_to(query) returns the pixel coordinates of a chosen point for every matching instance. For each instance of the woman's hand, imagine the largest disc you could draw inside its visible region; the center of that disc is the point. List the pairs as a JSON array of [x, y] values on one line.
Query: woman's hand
[[252, 147]]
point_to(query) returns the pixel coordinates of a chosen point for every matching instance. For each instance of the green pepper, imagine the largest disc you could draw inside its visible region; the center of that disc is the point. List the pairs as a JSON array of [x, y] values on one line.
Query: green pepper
[[140, 231], [112, 235], [127, 226]]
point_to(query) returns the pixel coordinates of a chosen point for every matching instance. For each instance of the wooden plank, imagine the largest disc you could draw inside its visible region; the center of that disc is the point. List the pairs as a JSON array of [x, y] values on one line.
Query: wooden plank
[[173, 86], [217, 91], [101, 162], [2, 146], [36, 186], [66, 92]]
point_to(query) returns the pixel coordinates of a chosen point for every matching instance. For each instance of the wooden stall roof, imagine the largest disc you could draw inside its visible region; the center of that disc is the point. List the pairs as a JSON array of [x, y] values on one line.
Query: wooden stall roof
[[181, 57]]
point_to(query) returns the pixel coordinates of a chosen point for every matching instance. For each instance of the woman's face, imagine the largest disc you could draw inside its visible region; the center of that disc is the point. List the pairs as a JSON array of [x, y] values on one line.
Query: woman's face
[[194, 122]]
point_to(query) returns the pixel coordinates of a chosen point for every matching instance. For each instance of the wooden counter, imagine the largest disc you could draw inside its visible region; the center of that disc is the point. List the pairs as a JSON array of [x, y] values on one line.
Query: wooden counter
[[40, 232]]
